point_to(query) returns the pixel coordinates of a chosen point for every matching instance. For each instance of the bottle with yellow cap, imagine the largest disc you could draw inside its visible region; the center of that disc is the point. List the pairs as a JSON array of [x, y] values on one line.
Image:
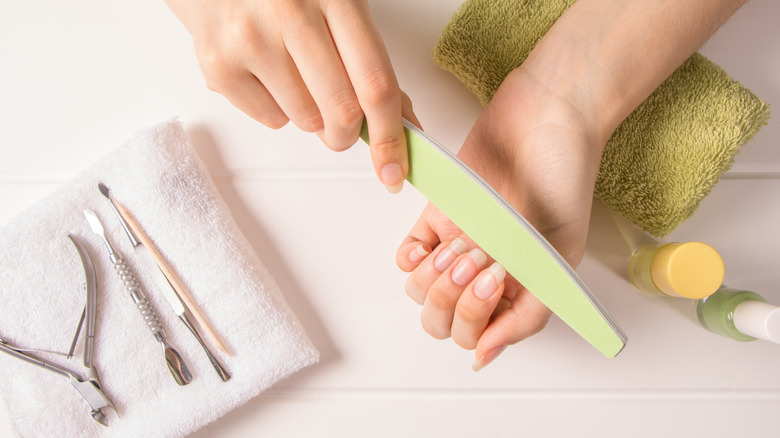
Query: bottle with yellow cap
[[689, 270]]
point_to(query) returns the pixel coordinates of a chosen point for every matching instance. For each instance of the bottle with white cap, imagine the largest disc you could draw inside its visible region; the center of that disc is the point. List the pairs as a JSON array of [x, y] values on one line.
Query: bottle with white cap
[[739, 314]]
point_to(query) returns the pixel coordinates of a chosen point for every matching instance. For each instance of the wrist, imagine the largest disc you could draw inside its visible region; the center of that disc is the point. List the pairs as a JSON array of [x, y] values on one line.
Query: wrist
[[607, 56], [534, 112], [564, 64], [552, 90]]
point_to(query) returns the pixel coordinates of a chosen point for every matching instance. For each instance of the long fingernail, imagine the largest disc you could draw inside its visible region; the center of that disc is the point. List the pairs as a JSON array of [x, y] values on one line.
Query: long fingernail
[[392, 177], [418, 253], [488, 357], [449, 254], [488, 283], [468, 267]]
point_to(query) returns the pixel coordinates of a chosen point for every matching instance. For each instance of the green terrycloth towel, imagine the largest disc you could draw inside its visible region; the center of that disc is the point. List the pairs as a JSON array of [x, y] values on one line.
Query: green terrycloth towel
[[665, 157]]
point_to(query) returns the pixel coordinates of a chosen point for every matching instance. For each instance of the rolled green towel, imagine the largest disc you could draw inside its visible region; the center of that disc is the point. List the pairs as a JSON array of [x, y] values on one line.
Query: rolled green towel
[[665, 157]]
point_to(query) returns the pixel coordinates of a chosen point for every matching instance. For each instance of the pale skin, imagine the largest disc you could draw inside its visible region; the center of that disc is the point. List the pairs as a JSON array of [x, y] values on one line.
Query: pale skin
[[322, 65], [318, 63]]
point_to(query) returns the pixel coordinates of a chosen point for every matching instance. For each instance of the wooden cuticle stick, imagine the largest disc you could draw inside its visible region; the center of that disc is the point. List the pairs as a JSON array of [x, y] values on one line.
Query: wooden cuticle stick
[[189, 303]]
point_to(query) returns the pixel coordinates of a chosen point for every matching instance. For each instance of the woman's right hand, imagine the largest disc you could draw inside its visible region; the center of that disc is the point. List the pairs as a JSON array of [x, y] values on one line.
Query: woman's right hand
[[319, 63]]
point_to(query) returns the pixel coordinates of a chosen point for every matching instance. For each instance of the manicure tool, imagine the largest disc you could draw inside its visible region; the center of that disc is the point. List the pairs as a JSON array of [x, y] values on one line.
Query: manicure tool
[[89, 387], [176, 365], [200, 320], [487, 218], [165, 287]]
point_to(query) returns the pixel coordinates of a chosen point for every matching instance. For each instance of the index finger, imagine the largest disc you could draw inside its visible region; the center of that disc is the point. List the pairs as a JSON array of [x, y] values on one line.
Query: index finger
[[369, 69]]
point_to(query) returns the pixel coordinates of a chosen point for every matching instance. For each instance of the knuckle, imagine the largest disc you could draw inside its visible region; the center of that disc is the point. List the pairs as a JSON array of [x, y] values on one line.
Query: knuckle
[[218, 72], [524, 325], [275, 121], [378, 87], [243, 33], [388, 143], [406, 101], [310, 121], [218, 76], [294, 19], [470, 315], [439, 299], [537, 325], [345, 108]]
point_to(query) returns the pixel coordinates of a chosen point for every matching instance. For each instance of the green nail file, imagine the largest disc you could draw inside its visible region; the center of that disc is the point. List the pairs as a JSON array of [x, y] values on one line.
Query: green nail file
[[488, 219]]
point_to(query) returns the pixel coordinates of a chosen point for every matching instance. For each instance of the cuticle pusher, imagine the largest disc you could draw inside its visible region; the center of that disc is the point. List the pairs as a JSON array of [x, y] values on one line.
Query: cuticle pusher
[[165, 287], [173, 360]]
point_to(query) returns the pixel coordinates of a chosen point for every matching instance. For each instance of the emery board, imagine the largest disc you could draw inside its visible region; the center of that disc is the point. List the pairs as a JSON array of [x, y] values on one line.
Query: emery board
[[488, 219]]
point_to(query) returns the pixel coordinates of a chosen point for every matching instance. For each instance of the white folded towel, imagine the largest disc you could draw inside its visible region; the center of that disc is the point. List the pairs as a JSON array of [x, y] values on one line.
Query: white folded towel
[[158, 177]]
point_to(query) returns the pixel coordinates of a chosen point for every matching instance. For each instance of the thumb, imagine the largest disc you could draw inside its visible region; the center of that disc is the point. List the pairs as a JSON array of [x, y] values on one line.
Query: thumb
[[420, 241], [407, 110], [524, 317]]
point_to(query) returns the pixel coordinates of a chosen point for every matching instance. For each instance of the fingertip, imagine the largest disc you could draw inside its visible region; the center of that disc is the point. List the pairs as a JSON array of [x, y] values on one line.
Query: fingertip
[[447, 256], [276, 121], [490, 282], [421, 234], [485, 359], [418, 253], [392, 176], [411, 254], [389, 154]]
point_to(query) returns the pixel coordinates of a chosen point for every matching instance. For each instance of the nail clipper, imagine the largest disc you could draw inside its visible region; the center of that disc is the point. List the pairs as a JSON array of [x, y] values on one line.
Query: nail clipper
[[88, 387]]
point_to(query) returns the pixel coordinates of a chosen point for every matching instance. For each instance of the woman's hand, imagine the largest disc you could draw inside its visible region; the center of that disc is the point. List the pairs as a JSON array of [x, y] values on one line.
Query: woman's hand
[[541, 154], [539, 143], [319, 63]]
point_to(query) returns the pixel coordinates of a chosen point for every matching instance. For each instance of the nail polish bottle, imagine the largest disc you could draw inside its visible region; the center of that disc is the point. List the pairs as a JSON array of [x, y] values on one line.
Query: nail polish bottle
[[688, 270], [740, 315]]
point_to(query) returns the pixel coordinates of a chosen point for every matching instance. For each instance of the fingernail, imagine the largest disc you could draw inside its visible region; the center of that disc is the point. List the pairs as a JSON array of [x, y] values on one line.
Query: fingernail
[[488, 283], [449, 254], [468, 267], [392, 177], [488, 357], [418, 253]]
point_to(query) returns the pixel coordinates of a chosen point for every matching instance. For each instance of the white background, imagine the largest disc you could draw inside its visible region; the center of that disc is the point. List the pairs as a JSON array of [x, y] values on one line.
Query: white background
[[79, 77]]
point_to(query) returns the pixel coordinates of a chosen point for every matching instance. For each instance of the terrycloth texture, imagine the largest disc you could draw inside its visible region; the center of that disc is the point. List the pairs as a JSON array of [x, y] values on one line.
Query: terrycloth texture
[[665, 157], [160, 179]]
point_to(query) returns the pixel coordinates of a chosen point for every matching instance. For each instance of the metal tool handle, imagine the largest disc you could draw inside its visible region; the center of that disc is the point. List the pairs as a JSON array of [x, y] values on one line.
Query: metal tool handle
[[137, 294], [35, 360], [90, 308], [89, 389], [224, 374]]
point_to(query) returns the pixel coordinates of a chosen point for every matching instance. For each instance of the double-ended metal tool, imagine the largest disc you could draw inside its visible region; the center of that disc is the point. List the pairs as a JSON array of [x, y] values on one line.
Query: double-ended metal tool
[[88, 387], [170, 294], [176, 365]]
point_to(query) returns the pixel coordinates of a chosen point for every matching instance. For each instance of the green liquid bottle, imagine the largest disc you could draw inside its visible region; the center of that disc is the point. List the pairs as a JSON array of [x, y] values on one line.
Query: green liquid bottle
[[740, 315]]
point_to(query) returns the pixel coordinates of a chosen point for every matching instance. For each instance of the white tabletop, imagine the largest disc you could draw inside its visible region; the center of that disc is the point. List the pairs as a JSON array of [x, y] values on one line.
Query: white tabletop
[[79, 77]]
